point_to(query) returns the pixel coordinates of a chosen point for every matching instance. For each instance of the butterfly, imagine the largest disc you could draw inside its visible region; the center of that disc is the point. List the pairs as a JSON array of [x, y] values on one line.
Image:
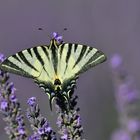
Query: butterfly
[[55, 67]]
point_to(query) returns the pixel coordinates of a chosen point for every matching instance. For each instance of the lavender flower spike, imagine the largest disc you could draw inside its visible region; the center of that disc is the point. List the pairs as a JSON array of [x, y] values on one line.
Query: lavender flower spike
[[39, 124], [128, 102], [10, 108], [69, 120]]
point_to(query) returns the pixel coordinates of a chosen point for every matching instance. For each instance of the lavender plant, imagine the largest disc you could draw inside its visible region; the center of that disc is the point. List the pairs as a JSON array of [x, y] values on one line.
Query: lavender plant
[[10, 108], [127, 102], [39, 124], [69, 122]]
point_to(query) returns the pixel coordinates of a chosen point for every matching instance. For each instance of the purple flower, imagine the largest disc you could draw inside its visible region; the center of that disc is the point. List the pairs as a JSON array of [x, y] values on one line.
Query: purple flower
[[20, 120], [41, 131], [121, 135], [59, 122], [21, 131], [69, 121], [116, 61], [10, 88], [34, 137], [127, 99], [10, 108], [133, 125], [4, 105], [44, 130], [57, 37], [32, 101], [48, 129], [64, 137], [39, 124], [78, 120], [13, 98], [2, 58]]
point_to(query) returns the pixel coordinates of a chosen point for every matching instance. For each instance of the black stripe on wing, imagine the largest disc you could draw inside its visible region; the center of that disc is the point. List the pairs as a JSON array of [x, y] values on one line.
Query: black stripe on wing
[[46, 52], [94, 57], [75, 47], [38, 56], [83, 50], [97, 58], [29, 51], [8, 66], [23, 58], [54, 58], [68, 56], [89, 50], [61, 50], [68, 52], [16, 57]]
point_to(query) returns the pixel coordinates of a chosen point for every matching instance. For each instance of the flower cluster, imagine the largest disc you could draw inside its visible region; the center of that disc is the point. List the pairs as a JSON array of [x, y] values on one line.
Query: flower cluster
[[57, 37], [69, 121], [128, 102], [70, 125], [39, 124], [10, 108]]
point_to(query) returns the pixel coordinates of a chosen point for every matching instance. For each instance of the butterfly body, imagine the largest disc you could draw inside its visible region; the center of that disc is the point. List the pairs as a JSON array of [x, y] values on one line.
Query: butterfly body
[[56, 67]]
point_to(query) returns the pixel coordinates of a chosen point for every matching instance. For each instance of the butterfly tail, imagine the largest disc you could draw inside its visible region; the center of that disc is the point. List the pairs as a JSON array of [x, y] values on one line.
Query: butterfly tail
[[51, 99]]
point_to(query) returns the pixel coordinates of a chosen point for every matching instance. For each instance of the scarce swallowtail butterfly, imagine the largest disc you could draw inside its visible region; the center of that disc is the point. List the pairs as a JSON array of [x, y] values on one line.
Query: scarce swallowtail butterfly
[[55, 67]]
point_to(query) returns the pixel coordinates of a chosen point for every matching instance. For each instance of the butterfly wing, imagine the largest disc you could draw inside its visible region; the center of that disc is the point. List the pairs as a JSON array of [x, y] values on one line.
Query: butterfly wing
[[46, 64], [29, 63], [74, 59]]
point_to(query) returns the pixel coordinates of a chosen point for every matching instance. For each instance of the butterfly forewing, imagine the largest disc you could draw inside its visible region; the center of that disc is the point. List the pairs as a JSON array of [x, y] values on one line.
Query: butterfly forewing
[[33, 62], [22, 64], [47, 72], [44, 63], [74, 59]]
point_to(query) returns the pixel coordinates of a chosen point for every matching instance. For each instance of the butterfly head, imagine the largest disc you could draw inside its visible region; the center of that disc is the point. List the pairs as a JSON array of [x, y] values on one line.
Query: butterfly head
[[57, 85]]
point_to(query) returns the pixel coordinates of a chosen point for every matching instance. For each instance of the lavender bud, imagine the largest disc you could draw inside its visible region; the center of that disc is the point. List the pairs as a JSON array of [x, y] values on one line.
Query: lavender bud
[[32, 101]]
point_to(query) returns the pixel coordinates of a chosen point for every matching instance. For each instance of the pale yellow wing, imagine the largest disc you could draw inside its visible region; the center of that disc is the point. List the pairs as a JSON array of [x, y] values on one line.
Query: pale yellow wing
[[33, 63], [74, 59]]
